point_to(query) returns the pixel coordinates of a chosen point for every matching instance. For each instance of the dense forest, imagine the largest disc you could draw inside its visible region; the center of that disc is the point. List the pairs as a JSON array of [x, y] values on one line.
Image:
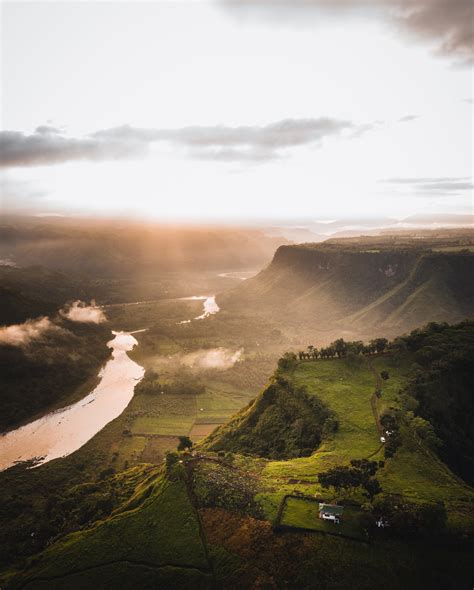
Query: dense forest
[[440, 389], [44, 372]]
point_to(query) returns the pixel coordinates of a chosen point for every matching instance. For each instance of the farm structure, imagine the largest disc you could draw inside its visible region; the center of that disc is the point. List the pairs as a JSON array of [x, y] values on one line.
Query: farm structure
[[331, 512]]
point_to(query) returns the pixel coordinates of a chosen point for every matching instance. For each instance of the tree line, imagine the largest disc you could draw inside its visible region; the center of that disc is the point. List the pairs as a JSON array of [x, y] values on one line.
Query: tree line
[[340, 348]]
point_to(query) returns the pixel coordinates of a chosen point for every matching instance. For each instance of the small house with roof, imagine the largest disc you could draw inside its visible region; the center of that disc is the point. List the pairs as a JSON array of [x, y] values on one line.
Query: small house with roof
[[331, 512]]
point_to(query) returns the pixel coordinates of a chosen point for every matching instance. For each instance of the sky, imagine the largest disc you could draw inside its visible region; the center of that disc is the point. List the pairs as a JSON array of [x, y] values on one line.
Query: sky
[[237, 110]]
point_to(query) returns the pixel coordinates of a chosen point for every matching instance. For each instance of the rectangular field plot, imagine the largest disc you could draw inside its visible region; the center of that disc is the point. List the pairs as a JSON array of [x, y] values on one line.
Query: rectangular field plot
[[166, 424], [217, 406], [199, 431], [302, 513]]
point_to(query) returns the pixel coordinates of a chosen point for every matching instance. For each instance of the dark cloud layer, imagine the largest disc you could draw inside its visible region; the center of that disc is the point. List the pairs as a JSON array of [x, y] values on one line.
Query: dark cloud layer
[[446, 23], [39, 148], [243, 143], [449, 22]]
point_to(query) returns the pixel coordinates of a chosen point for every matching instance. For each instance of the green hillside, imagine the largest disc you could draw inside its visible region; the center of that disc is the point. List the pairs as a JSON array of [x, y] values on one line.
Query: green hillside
[[283, 422], [153, 539]]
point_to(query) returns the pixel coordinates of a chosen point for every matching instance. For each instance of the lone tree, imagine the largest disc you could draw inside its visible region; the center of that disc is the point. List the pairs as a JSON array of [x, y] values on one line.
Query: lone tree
[[384, 375], [184, 443], [287, 361]]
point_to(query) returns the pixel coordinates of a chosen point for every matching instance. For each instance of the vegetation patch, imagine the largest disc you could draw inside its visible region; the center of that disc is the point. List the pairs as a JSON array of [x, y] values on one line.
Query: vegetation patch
[[283, 422], [217, 485]]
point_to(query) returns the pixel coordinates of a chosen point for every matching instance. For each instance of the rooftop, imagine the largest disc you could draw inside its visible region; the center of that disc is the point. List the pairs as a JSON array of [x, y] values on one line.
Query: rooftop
[[331, 509]]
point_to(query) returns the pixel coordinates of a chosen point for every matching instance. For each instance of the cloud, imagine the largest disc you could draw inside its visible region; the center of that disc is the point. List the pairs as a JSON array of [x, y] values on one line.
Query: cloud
[[446, 186], [22, 335], [81, 312], [213, 358], [408, 118], [434, 186], [425, 179], [220, 142], [51, 147], [446, 23]]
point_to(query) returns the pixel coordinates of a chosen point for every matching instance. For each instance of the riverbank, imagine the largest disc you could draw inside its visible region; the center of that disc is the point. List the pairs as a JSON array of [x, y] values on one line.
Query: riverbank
[[62, 432]]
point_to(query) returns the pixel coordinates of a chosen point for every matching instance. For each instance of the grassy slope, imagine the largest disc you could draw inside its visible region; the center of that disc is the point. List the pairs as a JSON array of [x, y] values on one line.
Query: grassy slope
[[413, 472], [158, 528]]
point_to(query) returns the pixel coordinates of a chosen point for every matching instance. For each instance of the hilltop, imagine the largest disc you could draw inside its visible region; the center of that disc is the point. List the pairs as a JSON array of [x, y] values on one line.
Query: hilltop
[[283, 422], [362, 285]]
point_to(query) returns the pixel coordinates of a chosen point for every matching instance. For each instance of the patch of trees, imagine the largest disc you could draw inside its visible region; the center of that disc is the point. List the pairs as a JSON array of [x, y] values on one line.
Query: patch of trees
[[393, 438], [218, 486], [440, 392], [340, 349], [360, 474], [406, 518], [283, 422], [183, 382], [287, 361]]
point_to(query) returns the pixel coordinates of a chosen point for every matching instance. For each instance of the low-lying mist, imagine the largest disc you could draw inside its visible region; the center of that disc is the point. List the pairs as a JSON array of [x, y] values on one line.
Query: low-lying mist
[[219, 359], [78, 311], [23, 335]]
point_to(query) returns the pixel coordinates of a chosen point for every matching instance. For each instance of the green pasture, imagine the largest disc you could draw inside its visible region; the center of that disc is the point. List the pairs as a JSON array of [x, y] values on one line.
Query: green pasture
[[303, 513], [159, 528], [219, 403], [413, 472], [346, 388]]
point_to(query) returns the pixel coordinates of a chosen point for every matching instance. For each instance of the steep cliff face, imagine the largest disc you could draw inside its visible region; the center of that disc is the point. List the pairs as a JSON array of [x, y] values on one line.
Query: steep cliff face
[[359, 289]]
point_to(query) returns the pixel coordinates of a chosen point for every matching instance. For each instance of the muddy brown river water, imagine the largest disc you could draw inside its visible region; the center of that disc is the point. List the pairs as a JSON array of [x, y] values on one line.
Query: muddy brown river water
[[62, 432]]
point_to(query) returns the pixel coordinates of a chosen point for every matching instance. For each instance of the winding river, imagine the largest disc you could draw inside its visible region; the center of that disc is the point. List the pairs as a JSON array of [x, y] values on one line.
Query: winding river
[[210, 306], [64, 431]]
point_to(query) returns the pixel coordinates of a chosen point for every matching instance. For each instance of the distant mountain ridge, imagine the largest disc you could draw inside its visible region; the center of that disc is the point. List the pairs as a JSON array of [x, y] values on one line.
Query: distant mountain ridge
[[360, 286]]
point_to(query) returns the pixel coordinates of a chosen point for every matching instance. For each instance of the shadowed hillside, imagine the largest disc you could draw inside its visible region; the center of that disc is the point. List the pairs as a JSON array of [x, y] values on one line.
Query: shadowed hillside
[[361, 286]]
